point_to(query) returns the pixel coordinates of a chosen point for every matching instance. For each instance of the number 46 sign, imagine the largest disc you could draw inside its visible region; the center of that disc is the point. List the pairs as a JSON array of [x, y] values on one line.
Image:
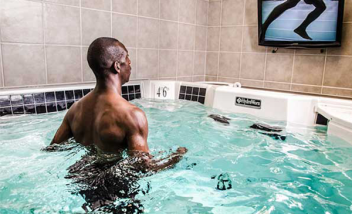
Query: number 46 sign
[[164, 90]]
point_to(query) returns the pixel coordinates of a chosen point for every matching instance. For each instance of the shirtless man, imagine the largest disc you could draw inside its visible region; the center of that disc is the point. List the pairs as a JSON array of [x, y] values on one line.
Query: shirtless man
[[104, 119]]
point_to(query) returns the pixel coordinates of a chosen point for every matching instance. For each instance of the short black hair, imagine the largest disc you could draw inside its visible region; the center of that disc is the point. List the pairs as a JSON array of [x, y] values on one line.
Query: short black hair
[[102, 54]]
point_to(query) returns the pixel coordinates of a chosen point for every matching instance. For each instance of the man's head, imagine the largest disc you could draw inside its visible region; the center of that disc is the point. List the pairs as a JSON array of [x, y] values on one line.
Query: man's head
[[107, 56]]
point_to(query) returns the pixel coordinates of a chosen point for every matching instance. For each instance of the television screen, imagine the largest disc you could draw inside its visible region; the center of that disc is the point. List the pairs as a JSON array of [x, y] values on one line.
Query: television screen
[[300, 23]]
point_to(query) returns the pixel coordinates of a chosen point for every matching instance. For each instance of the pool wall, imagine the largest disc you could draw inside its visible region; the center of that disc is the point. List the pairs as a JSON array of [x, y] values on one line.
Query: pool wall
[[294, 110]]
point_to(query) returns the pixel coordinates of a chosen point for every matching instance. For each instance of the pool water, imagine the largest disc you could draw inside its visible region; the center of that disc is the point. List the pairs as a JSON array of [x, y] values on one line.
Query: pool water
[[306, 173]]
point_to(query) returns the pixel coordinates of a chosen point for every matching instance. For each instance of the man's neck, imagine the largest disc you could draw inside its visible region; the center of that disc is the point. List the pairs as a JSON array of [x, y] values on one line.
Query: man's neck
[[109, 84]]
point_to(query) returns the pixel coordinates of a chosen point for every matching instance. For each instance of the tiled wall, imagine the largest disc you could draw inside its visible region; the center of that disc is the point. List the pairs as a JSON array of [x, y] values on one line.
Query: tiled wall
[[233, 55], [44, 42], [53, 100]]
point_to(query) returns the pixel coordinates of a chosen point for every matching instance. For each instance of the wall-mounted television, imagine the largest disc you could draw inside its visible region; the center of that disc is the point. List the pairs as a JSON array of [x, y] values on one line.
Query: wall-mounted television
[[300, 23]]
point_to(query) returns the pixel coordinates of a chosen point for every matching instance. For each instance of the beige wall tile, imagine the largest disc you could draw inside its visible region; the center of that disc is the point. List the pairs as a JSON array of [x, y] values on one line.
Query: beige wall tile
[[88, 74], [306, 89], [202, 12], [252, 66], [199, 63], [125, 6], [280, 50], [169, 9], [279, 67], [168, 78], [251, 12], [23, 65], [337, 92], [21, 21], [64, 64], [97, 4], [168, 35], [308, 70], [348, 11], [252, 83], [124, 29], [133, 57], [231, 39], [201, 38], [198, 78], [214, 13], [148, 64], [186, 37], [250, 40], [185, 79], [148, 33], [228, 80], [95, 24], [229, 65], [62, 25], [338, 72], [277, 86], [315, 51], [185, 63], [346, 44], [148, 8], [168, 63], [188, 12], [211, 78], [212, 64], [66, 2], [213, 39], [232, 12]]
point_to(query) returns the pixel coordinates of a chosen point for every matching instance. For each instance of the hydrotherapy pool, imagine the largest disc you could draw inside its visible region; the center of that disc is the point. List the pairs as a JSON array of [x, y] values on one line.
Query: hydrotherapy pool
[[305, 173]]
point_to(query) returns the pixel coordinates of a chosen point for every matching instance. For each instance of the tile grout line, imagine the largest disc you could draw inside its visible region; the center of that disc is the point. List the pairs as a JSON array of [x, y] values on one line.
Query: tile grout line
[[195, 40], [137, 40], [265, 63], [2, 60], [324, 70], [111, 18], [159, 23], [219, 46], [81, 36], [178, 35], [114, 12], [241, 53], [262, 53], [44, 44], [68, 5], [84, 85], [293, 68], [206, 43]]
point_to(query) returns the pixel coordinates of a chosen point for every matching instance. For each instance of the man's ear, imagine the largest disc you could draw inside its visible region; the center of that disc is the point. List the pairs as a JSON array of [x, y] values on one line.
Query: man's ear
[[117, 67]]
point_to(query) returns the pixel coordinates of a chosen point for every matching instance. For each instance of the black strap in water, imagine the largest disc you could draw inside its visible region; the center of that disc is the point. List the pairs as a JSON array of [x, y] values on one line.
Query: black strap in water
[[220, 119], [265, 127]]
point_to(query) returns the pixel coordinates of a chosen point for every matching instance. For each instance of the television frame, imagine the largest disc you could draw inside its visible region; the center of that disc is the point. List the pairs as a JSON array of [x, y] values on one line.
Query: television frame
[[303, 44]]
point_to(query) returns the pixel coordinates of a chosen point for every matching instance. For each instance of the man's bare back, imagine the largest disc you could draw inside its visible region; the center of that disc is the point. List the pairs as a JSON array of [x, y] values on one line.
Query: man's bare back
[[106, 120]]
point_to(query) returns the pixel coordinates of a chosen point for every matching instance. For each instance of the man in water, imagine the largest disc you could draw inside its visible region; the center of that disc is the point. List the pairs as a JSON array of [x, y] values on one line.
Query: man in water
[[105, 121], [301, 30]]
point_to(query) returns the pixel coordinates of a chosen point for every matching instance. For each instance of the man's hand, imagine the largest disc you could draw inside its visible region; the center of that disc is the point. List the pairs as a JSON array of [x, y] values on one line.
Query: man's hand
[[181, 150]]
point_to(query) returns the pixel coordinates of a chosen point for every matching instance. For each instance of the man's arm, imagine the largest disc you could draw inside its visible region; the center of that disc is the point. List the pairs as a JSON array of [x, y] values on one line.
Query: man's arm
[[138, 146], [63, 133]]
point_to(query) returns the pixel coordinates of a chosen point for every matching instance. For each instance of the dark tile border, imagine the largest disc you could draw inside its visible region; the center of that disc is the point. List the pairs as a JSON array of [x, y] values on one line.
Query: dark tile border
[[191, 93], [53, 101]]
